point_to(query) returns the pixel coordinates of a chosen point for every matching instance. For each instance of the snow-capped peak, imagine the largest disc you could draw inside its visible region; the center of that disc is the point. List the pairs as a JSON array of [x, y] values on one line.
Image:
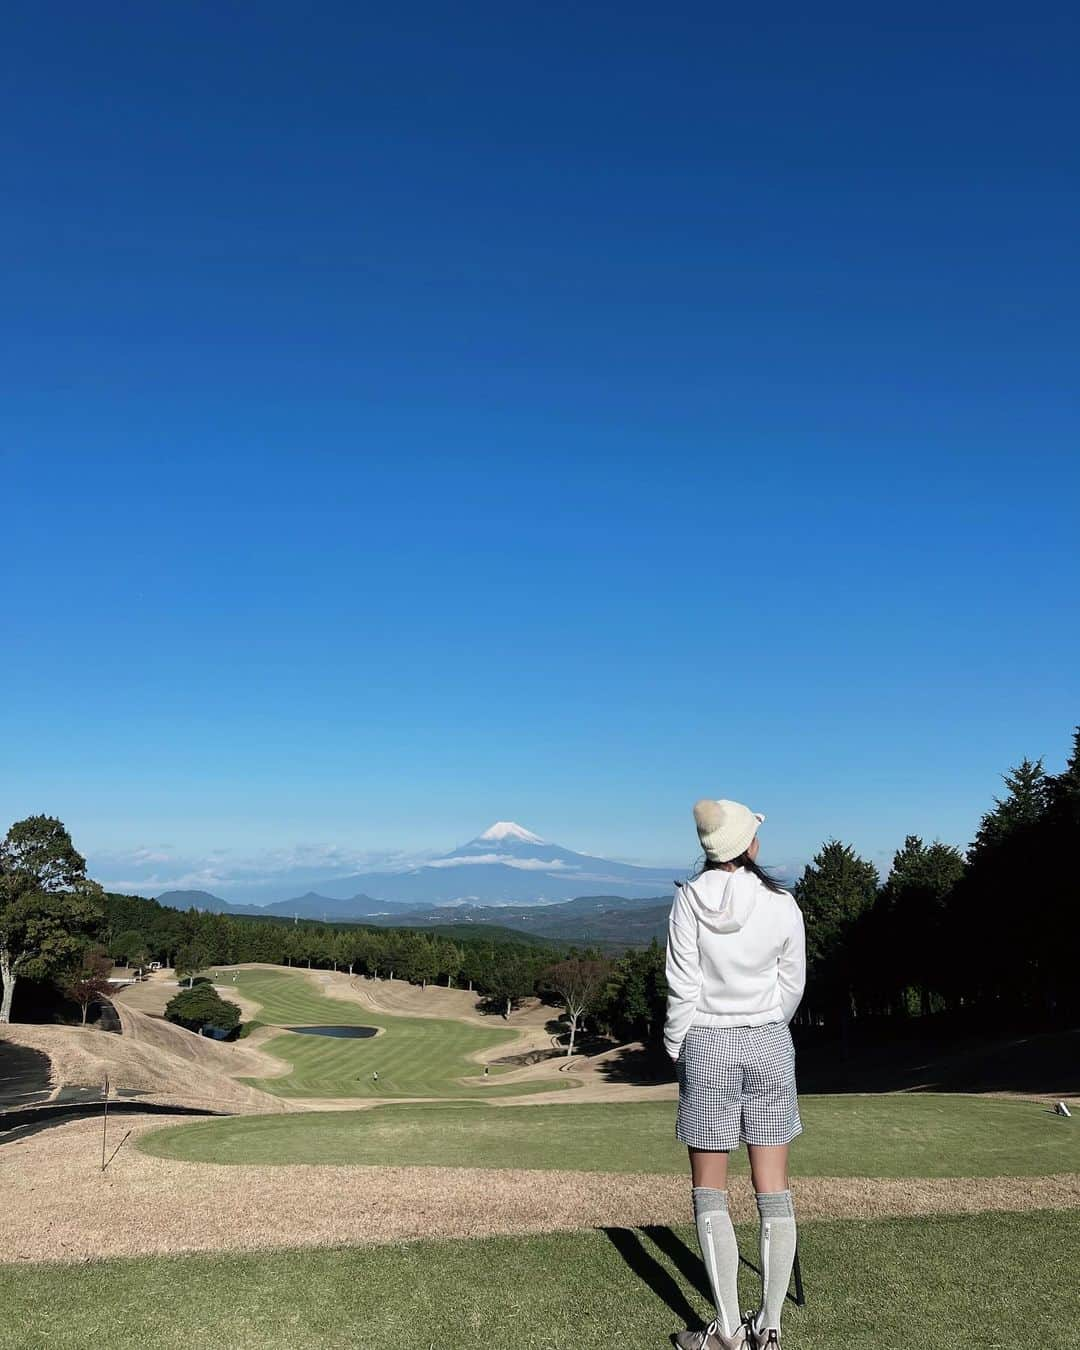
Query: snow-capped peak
[[509, 829]]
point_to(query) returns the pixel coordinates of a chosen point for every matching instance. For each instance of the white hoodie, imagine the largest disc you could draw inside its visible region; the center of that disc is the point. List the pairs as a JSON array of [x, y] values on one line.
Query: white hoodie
[[736, 955]]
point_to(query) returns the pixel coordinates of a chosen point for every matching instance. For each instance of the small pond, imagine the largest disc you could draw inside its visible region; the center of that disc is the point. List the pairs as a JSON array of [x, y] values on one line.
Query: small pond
[[345, 1033]]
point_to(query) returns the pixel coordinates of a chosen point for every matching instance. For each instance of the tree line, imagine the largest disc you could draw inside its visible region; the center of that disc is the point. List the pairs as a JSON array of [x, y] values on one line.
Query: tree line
[[994, 932], [624, 997], [139, 931]]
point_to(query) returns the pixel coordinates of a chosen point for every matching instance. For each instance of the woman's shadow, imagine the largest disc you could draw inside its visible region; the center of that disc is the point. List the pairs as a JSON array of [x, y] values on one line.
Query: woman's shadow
[[689, 1265]]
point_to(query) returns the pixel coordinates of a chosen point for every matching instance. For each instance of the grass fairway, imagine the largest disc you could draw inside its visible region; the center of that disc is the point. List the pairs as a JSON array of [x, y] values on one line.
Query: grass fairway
[[885, 1136], [999, 1280], [417, 1056]]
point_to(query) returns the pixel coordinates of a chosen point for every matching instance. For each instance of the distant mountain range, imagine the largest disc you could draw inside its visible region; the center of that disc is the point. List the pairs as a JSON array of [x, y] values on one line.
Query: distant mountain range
[[506, 865], [308, 906], [506, 876], [604, 919], [608, 920]]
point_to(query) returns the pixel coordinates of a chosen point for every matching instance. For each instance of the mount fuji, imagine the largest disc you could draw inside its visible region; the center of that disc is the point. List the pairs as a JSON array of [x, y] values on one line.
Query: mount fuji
[[505, 865]]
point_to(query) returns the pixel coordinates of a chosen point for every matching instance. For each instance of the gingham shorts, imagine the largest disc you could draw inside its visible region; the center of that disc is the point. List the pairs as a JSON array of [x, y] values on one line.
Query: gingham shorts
[[737, 1084]]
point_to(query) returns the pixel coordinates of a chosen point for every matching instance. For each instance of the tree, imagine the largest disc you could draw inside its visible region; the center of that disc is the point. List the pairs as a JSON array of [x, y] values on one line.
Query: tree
[[402, 951], [190, 959], [477, 961], [1029, 793], [508, 979], [124, 945], [361, 950], [317, 947], [1013, 856], [913, 905], [1052, 930], [835, 891], [139, 959], [636, 995], [424, 960], [48, 905], [295, 945], [579, 982], [449, 960], [89, 981], [202, 1007]]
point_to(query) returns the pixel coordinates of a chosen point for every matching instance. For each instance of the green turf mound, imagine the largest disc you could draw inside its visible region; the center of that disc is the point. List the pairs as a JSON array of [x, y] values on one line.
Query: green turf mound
[[882, 1136]]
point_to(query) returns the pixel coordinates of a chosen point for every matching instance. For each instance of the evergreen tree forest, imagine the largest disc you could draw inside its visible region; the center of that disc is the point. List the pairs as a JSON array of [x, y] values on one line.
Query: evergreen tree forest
[[992, 935]]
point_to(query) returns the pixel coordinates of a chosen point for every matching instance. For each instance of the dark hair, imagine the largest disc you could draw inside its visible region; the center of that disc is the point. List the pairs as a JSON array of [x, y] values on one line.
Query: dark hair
[[743, 860]]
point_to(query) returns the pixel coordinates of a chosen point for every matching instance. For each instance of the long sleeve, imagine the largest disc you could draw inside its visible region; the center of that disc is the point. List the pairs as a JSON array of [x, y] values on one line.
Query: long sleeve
[[791, 966], [683, 972]]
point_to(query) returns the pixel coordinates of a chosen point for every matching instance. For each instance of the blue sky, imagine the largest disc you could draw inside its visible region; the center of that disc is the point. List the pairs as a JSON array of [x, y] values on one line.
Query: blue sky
[[416, 419]]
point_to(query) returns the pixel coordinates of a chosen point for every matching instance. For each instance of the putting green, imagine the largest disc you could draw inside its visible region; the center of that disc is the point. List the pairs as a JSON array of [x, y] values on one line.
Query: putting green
[[881, 1136], [416, 1057]]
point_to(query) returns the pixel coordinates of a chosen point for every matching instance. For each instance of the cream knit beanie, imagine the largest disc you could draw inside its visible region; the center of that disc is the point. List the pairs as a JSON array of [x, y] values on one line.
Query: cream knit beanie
[[725, 828]]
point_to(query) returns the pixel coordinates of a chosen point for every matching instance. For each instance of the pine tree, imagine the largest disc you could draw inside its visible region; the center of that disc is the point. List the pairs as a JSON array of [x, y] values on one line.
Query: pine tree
[[1029, 793], [836, 890], [1015, 921], [912, 928], [1063, 790], [1053, 923]]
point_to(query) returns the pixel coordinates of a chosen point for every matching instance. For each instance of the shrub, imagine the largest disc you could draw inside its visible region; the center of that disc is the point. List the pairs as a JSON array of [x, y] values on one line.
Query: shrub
[[202, 1007]]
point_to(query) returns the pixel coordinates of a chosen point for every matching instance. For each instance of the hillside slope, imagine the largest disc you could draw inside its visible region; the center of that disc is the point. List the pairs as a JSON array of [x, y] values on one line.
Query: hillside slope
[[153, 1060]]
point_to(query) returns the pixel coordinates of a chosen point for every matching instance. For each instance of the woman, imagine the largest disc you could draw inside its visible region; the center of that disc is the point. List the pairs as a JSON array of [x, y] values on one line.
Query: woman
[[736, 967]]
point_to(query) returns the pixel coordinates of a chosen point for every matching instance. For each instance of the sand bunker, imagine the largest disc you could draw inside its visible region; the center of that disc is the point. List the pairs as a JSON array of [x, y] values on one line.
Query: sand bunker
[[59, 1206]]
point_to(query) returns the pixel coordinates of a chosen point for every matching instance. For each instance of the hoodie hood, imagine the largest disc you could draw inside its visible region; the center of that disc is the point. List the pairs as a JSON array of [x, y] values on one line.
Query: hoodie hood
[[723, 901]]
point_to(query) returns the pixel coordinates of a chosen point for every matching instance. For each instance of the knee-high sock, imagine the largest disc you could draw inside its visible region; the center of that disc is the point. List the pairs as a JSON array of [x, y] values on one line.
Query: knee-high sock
[[777, 1255], [721, 1253]]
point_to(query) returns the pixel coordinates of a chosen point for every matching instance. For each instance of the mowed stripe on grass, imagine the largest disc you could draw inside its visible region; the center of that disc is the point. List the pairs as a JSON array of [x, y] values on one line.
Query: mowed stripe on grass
[[987, 1280], [881, 1136], [415, 1057]]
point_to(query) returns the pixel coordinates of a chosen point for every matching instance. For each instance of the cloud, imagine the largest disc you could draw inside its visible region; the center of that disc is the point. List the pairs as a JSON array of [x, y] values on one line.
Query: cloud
[[161, 854], [507, 860], [149, 870]]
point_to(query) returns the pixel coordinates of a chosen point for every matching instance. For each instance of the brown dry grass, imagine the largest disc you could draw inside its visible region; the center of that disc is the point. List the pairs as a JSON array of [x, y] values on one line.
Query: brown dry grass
[[399, 999], [59, 1206], [151, 995], [162, 1062]]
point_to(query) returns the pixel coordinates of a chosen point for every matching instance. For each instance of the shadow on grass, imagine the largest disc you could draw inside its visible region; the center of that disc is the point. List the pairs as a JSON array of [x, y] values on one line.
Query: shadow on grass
[[928, 1055], [25, 1075], [689, 1265], [22, 1123], [686, 1262], [646, 1267], [639, 1065], [936, 1056]]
